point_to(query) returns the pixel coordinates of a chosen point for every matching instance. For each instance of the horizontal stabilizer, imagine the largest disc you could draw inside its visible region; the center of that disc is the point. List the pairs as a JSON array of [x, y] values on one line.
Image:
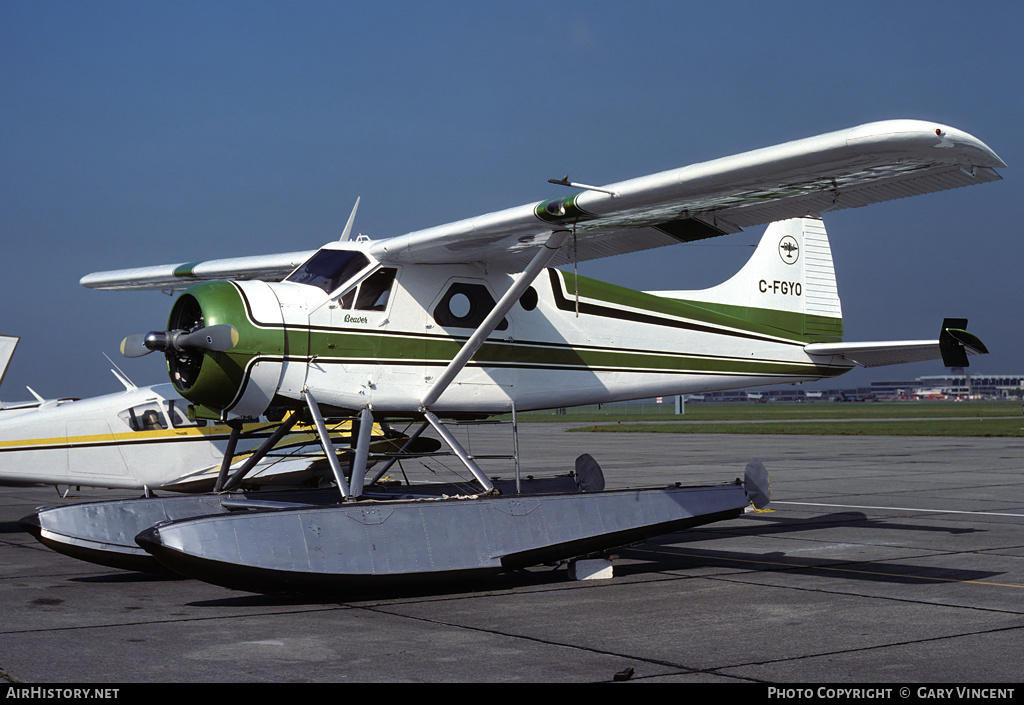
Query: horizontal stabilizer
[[952, 347]]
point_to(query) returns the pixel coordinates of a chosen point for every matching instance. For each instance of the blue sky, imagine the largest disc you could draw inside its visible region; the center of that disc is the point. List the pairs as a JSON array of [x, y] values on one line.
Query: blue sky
[[135, 133]]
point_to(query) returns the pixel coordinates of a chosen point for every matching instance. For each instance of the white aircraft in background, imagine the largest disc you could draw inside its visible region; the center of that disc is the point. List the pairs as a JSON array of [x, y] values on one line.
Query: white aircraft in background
[[142, 439]]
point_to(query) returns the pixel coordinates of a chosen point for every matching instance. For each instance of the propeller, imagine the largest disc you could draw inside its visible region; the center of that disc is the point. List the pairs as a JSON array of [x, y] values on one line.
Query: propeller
[[216, 338]]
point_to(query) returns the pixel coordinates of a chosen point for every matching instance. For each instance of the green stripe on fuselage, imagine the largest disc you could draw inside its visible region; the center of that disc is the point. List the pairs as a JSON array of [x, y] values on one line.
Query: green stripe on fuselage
[[392, 348], [798, 327], [406, 348]]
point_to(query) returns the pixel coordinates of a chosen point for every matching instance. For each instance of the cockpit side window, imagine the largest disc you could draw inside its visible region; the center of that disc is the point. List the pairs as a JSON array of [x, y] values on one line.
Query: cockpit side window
[[179, 417], [329, 269], [144, 417], [372, 293], [375, 290]]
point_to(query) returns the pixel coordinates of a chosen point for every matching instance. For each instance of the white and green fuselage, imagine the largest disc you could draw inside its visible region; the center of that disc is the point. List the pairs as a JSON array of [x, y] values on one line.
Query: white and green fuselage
[[403, 324], [380, 337]]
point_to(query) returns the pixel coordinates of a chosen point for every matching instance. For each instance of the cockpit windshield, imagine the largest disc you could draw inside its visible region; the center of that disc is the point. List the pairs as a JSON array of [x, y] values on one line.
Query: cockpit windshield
[[329, 269]]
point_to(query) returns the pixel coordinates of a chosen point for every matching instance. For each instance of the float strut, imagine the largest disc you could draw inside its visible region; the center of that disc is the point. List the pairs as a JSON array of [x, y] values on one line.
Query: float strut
[[466, 459], [279, 433], [326, 443], [362, 451], [229, 454], [395, 458]]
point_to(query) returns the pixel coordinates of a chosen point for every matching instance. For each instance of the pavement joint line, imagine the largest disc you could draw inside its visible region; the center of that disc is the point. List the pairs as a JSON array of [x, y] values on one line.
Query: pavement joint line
[[169, 620], [681, 669], [721, 670], [903, 509], [872, 647], [805, 566]]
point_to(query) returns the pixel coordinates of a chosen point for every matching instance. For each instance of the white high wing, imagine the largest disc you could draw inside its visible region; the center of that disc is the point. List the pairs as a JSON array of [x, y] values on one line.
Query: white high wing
[[845, 169]]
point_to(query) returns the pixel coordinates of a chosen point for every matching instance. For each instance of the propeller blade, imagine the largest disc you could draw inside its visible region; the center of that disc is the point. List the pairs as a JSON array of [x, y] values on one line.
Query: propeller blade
[[217, 338], [214, 338], [135, 346]]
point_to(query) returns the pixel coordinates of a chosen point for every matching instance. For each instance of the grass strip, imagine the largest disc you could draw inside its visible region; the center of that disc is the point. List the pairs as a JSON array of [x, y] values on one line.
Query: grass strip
[[742, 411], [975, 428]]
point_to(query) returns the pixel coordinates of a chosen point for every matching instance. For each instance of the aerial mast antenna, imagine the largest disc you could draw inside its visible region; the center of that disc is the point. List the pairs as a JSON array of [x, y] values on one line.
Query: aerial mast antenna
[[346, 234], [564, 181]]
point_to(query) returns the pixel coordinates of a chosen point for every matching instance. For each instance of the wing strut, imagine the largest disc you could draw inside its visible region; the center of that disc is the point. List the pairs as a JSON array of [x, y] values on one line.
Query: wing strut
[[469, 348], [536, 265]]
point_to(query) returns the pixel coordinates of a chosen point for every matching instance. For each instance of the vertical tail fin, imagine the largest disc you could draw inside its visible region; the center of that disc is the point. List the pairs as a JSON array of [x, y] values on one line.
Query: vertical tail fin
[[789, 283], [7, 345]]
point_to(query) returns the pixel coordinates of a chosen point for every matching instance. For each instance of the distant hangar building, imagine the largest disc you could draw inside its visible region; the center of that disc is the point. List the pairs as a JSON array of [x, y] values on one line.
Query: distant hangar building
[[954, 384]]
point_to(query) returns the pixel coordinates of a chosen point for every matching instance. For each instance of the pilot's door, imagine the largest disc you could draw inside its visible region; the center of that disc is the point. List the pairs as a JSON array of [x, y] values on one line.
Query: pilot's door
[[346, 332]]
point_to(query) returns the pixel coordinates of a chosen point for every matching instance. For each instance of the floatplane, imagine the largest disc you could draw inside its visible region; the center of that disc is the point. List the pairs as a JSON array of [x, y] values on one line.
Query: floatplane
[[474, 319]]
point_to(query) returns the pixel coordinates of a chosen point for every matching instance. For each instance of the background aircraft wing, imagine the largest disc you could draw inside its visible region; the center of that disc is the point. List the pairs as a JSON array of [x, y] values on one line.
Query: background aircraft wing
[[173, 277], [845, 169]]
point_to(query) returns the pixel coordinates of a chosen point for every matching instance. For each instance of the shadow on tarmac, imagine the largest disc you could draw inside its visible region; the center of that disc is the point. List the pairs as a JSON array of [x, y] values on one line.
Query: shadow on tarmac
[[674, 555]]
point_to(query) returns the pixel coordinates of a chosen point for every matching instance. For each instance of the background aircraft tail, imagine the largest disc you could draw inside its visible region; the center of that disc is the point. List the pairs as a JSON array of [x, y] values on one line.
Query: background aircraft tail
[[7, 345], [788, 284]]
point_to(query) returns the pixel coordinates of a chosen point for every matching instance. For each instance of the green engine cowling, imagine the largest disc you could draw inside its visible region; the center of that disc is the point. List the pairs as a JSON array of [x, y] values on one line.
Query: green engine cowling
[[241, 381]]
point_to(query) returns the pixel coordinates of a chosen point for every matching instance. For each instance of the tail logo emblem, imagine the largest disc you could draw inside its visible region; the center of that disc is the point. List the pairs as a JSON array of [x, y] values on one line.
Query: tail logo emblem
[[789, 249]]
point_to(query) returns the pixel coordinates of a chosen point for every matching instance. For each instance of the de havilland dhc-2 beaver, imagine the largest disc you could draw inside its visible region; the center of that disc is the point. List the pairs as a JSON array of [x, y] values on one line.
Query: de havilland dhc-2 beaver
[[471, 320]]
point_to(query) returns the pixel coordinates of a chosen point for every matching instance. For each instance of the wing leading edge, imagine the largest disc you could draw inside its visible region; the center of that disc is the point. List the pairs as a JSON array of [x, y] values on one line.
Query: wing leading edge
[[845, 169], [183, 275]]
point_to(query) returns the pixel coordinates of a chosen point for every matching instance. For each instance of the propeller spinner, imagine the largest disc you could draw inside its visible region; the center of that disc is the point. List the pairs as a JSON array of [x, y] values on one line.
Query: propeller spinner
[[218, 338]]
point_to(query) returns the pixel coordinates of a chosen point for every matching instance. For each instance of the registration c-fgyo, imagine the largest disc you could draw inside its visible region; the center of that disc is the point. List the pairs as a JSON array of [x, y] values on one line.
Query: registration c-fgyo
[[780, 287]]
